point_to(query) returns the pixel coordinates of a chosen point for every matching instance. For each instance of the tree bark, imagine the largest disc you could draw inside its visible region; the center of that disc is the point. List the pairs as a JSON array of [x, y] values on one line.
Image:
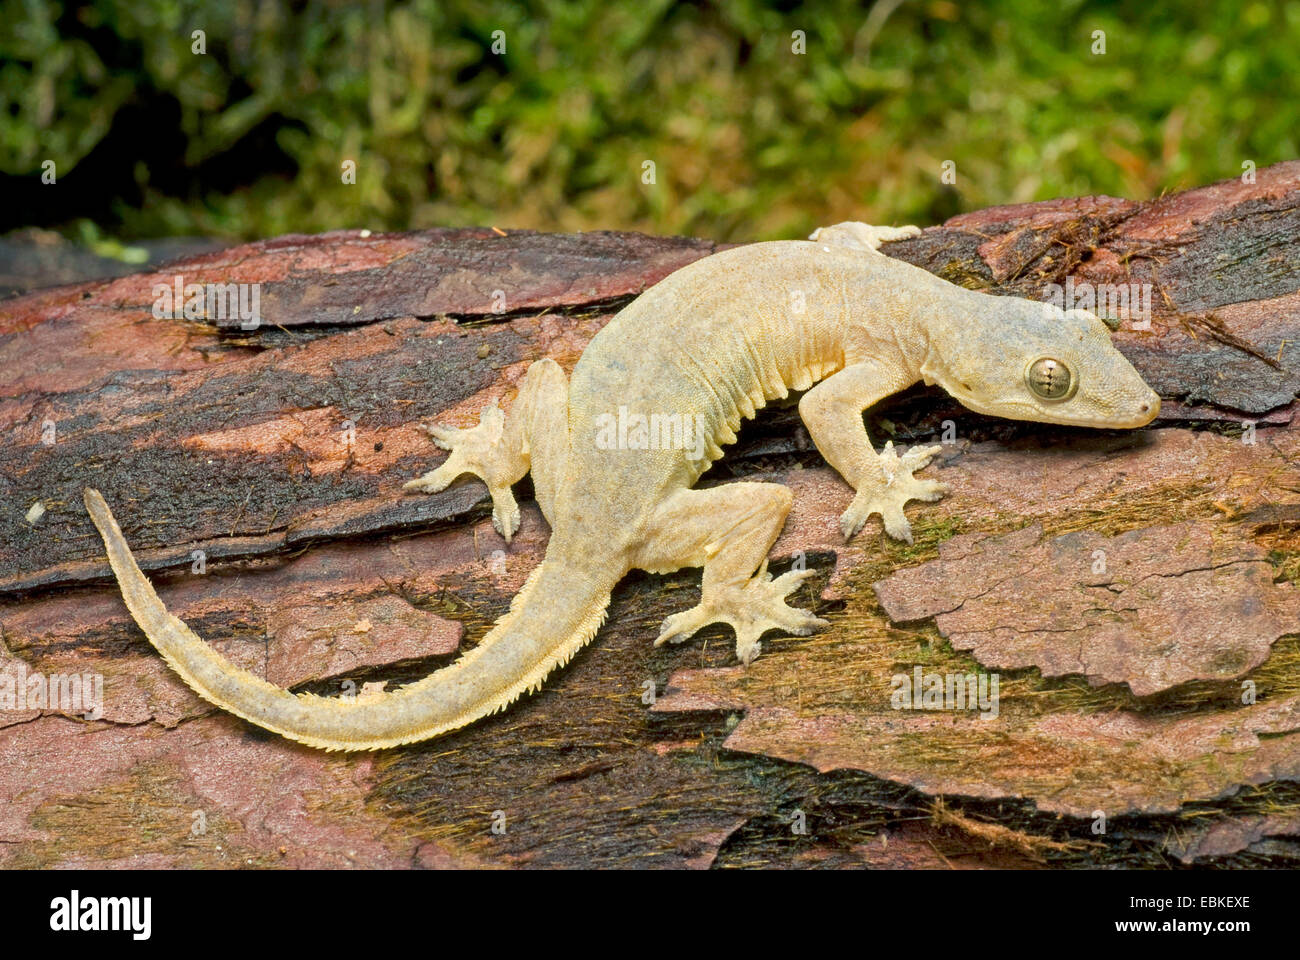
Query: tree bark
[[257, 473]]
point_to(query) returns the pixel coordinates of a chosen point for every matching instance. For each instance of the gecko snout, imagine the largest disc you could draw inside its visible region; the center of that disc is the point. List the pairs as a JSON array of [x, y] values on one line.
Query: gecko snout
[[1150, 409]]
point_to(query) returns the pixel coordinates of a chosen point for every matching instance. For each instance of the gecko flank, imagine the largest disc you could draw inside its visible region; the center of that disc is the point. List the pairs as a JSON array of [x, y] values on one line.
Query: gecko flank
[[706, 347]]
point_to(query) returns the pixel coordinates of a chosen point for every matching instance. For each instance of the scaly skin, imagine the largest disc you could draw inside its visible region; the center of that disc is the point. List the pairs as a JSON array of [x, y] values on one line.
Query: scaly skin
[[708, 347]]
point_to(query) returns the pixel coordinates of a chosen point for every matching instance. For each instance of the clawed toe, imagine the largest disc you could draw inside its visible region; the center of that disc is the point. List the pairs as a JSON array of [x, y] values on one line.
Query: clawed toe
[[505, 513], [852, 520], [918, 458], [791, 580], [680, 626], [444, 437], [931, 490], [435, 481]]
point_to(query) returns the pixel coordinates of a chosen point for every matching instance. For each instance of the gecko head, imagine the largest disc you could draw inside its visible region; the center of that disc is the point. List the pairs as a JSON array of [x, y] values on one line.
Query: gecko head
[[1038, 362]]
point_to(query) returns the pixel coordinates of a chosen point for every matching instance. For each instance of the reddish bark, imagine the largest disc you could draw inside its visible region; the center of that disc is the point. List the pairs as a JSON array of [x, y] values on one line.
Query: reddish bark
[[236, 443]]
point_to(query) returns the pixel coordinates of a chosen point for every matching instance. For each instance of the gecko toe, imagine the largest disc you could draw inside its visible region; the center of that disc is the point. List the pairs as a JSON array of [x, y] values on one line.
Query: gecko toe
[[747, 649], [931, 490], [679, 627], [434, 481], [851, 521], [444, 437], [505, 513], [900, 530], [791, 580], [918, 458]]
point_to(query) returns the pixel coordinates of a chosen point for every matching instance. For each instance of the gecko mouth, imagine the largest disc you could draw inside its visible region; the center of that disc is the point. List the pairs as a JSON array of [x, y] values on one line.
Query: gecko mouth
[[1142, 414]]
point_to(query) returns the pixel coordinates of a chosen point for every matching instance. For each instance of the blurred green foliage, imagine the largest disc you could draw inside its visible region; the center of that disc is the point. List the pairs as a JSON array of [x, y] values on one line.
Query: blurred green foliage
[[749, 139]]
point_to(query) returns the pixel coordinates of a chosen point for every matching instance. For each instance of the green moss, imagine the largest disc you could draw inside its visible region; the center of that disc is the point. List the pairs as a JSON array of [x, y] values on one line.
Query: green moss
[[970, 274], [749, 139]]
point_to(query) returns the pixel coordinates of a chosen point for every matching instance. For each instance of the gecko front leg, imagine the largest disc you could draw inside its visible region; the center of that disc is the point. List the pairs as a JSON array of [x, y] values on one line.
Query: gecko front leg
[[883, 482]]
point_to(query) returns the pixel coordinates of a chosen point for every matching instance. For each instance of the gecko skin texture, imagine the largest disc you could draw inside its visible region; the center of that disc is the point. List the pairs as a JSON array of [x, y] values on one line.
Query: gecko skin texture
[[709, 346]]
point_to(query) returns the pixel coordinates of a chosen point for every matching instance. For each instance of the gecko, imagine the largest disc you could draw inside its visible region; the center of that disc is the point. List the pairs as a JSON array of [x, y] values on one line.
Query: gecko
[[832, 318]]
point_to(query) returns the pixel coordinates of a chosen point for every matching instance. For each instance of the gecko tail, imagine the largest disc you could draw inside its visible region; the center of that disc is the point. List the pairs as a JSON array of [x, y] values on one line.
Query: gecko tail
[[557, 612]]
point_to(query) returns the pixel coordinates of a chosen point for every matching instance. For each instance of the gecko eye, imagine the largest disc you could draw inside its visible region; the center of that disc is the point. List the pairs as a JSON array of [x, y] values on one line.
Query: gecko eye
[[1050, 379]]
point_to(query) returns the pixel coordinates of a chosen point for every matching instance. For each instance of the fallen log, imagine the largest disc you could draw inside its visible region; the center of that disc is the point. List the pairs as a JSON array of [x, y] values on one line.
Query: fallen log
[[257, 472]]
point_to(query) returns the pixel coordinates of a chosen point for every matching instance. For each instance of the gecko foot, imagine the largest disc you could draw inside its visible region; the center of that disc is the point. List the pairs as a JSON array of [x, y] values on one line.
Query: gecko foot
[[862, 236], [888, 496], [478, 450], [751, 608]]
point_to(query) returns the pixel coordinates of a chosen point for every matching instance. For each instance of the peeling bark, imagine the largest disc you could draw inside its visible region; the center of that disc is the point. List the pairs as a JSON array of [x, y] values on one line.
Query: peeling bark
[[1151, 608], [279, 453]]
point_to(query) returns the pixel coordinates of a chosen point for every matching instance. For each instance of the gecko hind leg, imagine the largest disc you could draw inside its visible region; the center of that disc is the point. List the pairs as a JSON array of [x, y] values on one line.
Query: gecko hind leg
[[728, 530], [501, 449]]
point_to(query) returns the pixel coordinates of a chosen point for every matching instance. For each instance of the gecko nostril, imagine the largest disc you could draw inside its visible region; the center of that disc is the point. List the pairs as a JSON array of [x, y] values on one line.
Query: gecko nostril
[[1145, 407]]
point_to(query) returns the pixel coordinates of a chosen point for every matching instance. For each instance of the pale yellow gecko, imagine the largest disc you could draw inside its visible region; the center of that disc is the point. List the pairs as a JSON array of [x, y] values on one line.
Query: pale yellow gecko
[[705, 348]]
